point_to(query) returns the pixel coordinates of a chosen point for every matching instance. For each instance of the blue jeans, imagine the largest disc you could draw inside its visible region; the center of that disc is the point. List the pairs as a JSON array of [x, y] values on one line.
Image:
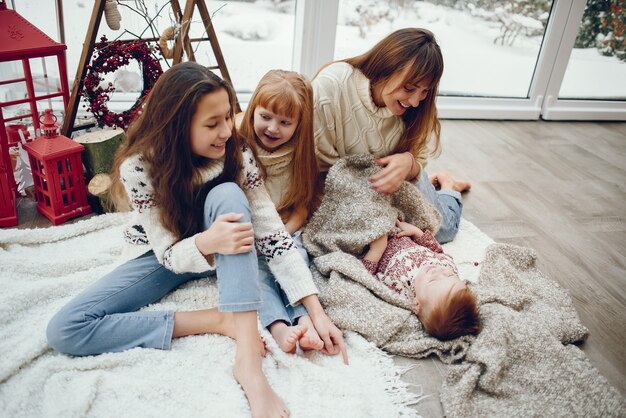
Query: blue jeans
[[104, 317], [276, 306], [447, 202]]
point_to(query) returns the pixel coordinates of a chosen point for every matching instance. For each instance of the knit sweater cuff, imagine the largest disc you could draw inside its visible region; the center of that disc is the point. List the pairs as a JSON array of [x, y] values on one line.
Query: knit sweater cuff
[[300, 282], [188, 259]]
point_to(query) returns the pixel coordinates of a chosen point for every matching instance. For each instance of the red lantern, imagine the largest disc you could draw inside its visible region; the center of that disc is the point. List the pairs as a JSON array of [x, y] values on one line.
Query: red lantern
[[57, 168], [20, 42]]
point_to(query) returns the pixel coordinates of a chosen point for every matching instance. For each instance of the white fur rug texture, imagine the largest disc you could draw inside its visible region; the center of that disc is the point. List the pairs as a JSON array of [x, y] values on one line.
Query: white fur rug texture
[[41, 269]]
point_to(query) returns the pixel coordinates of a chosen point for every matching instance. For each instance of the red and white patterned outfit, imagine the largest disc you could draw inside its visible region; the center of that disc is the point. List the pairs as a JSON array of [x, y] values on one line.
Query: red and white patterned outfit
[[402, 259]]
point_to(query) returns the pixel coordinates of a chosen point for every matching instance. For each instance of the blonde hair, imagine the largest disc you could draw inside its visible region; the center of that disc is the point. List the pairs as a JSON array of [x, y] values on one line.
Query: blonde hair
[[415, 51], [289, 94]]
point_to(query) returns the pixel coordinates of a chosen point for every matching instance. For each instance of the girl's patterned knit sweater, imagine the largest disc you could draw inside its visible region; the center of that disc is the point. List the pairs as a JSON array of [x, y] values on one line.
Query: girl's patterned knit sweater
[[146, 232], [403, 258]]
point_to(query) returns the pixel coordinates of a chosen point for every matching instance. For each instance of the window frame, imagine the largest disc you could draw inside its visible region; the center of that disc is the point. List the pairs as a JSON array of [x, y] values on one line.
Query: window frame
[[316, 28]]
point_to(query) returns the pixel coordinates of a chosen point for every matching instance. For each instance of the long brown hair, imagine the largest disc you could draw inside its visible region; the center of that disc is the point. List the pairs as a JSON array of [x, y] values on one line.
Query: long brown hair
[[416, 51], [289, 94], [162, 136]]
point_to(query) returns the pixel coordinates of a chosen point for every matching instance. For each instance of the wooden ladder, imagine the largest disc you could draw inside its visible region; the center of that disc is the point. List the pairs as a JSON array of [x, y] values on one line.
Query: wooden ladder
[[183, 18]]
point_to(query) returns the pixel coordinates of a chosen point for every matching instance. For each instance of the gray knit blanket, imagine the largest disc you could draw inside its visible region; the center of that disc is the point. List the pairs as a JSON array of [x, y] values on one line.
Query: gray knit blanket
[[519, 365]]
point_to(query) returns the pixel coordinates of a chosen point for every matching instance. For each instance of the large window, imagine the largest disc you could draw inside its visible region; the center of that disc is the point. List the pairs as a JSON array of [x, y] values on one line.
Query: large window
[[510, 59], [505, 59], [489, 51], [597, 65]]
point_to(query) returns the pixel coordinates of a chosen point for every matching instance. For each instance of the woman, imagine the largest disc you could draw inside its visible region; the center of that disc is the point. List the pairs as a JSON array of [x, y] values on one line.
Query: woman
[[383, 103]]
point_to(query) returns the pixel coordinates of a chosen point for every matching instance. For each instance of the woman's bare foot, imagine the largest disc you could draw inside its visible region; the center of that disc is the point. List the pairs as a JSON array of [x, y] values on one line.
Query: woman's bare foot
[[311, 339], [264, 402], [287, 336], [446, 181]]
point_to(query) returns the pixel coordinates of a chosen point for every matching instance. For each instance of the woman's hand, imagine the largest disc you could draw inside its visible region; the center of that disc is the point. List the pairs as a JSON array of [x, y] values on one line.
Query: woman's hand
[[226, 236], [326, 329], [408, 230], [397, 168]]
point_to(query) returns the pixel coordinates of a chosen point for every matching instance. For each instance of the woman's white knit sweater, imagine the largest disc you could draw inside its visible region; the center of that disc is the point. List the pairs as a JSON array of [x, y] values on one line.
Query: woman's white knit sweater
[[146, 232], [347, 121]]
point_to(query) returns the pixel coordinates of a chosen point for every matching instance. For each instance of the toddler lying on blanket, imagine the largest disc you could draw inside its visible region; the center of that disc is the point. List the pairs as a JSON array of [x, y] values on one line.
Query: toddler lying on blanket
[[414, 264]]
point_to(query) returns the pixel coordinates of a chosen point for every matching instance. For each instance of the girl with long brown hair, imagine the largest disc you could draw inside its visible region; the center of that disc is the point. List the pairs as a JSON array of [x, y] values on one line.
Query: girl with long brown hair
[[278, 124], [383, 103], [199, 206]]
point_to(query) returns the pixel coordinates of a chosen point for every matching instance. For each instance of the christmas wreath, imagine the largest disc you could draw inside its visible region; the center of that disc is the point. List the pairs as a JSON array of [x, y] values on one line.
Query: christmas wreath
[[110, 56]]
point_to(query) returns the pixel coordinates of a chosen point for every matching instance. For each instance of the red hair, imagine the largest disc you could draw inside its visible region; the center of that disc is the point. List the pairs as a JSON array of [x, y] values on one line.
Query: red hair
[[454, 316], [289, 94]]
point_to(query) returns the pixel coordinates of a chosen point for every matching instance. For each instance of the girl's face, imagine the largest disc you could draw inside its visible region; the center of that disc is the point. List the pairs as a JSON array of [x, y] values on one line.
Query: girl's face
[[211, 125], [398, 97], [273, 130]]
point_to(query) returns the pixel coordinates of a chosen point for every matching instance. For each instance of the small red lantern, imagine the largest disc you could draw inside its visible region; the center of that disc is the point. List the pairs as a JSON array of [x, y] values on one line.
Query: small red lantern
[[57, 168]]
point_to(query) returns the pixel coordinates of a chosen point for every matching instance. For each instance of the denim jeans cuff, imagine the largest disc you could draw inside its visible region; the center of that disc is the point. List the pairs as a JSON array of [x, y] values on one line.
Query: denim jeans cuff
[[452, 193], [240, 307], [169, 330], [268, 320]]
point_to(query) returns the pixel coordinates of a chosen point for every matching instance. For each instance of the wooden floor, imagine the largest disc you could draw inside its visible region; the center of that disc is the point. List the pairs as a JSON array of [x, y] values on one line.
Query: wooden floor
[[559, 188]]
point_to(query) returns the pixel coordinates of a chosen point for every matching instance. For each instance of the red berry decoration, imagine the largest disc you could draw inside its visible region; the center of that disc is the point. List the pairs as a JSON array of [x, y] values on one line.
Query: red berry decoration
[[110, 57], [475, 263]]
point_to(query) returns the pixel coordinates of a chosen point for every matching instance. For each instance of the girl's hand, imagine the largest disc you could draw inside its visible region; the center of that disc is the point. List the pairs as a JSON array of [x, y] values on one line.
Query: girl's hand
[[226, 236], [331, 335], [408, 230], [328, 332], [297, 218], [397, 168]]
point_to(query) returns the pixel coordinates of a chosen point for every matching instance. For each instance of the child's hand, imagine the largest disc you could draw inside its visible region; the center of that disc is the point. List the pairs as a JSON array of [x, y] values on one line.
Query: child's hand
[[376, 250], [331, 335], [408, 230], [296, 220], [226, 236]]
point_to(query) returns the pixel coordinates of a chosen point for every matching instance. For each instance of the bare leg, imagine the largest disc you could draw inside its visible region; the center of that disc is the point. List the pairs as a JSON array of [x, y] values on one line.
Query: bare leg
[[207, 321], [287, 336], [264, 402], [311, 339]]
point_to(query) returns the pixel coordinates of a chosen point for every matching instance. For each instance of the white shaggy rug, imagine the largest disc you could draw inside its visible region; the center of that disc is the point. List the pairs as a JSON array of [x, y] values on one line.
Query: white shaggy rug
[[41, 269]]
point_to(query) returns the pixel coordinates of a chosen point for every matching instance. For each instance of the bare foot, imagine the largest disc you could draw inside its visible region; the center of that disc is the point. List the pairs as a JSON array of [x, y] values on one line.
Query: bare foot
[[287, 336], [310, 340], [448, 182], [264, 402]]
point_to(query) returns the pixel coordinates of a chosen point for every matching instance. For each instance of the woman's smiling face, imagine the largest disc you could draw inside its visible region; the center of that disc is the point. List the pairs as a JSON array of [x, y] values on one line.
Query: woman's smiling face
[[399, 96]]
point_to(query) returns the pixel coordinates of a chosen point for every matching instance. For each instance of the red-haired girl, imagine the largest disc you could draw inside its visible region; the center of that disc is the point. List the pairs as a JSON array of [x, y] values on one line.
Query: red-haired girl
[[278, 123]]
